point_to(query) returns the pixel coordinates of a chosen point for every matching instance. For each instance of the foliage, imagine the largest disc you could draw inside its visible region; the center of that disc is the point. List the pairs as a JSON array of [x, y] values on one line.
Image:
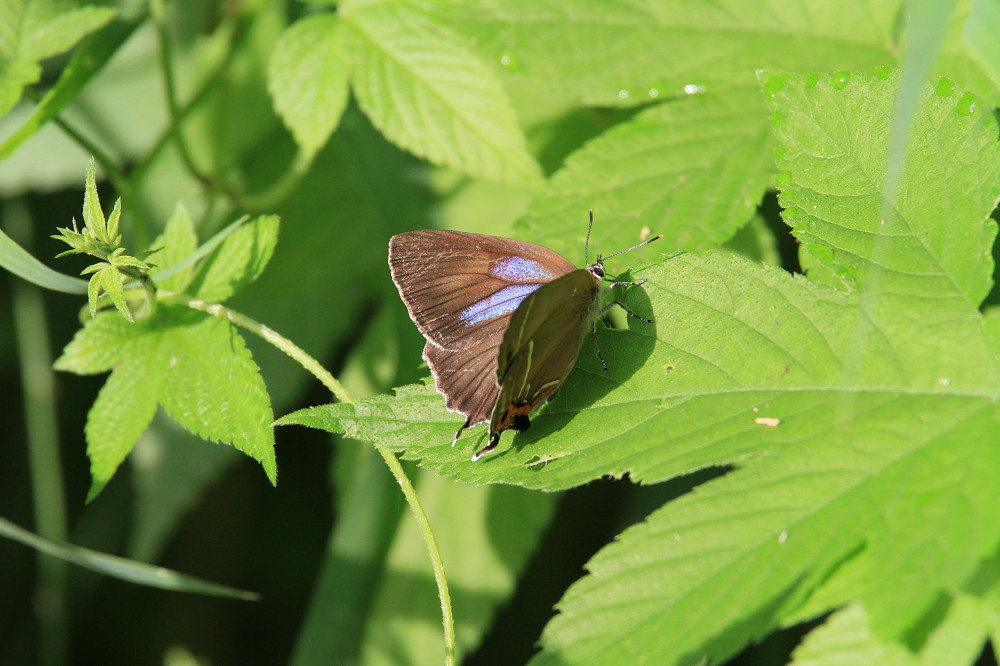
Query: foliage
[[804, 439]]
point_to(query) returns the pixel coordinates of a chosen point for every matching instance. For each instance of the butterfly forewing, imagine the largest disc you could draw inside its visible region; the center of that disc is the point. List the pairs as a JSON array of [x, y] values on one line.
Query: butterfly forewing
[[454, 283], [540, 347]]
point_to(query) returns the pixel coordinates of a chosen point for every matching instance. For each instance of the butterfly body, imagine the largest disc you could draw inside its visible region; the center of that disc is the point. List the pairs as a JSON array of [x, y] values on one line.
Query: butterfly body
[[504, 320]]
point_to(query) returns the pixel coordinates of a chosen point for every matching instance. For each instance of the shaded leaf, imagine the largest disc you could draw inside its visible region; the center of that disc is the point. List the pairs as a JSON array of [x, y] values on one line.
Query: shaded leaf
[[629, 53], [238, 261], [429, 94], [308, 77], [31, 31], [121, 568], [691, 169]]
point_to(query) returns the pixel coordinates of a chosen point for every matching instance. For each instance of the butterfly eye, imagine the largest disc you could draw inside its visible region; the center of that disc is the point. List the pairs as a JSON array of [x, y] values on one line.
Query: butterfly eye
[[597, 270]]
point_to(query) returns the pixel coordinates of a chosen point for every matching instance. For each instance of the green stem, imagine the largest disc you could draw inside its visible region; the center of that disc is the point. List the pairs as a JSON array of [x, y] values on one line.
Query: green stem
[[341, 394], [432, 549], [31, 331], [158, 12]]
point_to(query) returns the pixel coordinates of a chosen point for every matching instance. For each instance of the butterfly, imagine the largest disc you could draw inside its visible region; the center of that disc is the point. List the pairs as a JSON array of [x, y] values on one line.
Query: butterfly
[[504, 319]]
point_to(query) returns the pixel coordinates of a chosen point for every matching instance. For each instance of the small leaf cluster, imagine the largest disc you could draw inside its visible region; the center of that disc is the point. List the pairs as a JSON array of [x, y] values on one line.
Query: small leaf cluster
[[193, 364], [101, 238]]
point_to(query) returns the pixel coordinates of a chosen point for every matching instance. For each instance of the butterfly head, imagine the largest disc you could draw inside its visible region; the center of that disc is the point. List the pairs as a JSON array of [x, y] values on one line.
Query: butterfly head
[[597, 268]]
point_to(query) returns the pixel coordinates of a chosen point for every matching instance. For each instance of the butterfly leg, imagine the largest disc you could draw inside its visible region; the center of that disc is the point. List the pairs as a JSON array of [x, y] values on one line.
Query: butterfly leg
[[593, 336], [626, 309], [626, 284], [494, 440], [460, 430]]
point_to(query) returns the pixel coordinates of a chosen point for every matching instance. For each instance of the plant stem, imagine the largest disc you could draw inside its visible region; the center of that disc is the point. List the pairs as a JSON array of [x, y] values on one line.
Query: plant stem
[[341, 394], [38, 386]]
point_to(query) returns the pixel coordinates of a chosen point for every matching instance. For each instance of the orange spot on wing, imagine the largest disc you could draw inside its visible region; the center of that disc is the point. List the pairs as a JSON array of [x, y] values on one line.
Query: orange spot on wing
[[512, 412]]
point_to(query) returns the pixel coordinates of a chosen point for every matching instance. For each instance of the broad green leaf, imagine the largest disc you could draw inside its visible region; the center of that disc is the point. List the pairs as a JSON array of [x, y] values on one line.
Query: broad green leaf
[[308, 77], [849, 413], [833, 186], [121, 568], [196, 366], [680, 394], [692, 169], [715, 569], [31, 31], [629, 53], [429, 94], [238, 261]]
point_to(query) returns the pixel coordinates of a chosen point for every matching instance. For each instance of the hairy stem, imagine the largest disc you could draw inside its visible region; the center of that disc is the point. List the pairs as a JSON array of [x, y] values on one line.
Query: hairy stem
[[341, 394]]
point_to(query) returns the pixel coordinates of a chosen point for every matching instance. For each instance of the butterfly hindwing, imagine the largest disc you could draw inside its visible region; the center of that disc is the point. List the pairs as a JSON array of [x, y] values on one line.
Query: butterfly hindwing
[[540, 346]]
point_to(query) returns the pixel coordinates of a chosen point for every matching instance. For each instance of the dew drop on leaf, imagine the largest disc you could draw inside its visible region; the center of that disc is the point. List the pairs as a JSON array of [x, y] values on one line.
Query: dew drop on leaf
[[509, 61], [774, 84], [841, 79], [967, 104], [944, 87], [884, 72]]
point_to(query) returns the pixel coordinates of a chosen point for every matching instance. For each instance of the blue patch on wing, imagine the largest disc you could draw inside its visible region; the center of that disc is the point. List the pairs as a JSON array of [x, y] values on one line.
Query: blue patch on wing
[[502, 302], [519, 269]]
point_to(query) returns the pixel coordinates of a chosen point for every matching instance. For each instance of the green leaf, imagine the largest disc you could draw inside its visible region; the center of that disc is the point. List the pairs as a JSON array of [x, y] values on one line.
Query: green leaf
[[177, 241], [90, 58], [32, 30], [849, 412], [308, 79], [15, 259], [714, 569], [980, 28], [93, 216], [648, 172], [121, 568], [618, 53], [238, 261], [121, 413], [196, 366], [103, 343], [111, 282], [846, 638], [933, 222], [429, 94], [214, 390]]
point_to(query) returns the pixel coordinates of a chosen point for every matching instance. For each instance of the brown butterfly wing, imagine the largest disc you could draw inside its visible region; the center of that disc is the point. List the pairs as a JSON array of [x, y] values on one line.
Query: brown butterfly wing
[[453, 281], [460, 290], [540, 346]]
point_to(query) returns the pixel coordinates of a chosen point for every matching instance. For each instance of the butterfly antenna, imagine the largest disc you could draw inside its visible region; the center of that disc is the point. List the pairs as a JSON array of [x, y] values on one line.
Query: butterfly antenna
[[634, 247], [586, 244]]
